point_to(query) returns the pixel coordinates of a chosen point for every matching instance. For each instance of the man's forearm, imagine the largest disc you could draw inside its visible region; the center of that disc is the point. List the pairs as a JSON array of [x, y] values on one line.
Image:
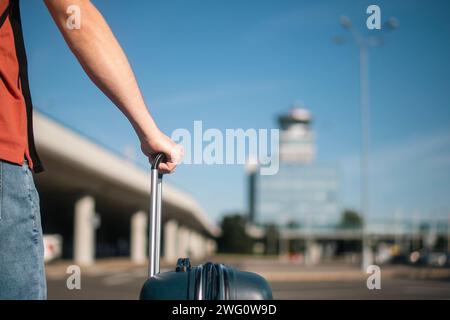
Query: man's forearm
[[103, 59]]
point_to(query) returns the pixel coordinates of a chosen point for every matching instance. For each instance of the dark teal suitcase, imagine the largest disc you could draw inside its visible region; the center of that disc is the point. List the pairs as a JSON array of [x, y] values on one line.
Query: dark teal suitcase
[[209, 281]]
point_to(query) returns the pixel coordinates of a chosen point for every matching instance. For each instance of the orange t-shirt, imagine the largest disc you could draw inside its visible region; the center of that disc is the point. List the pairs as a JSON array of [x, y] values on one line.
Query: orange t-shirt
[[13, 115]]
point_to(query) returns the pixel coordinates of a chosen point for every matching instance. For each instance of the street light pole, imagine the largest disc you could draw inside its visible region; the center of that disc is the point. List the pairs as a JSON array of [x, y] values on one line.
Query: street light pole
[[365, 133], [448, 234], [363, 44]]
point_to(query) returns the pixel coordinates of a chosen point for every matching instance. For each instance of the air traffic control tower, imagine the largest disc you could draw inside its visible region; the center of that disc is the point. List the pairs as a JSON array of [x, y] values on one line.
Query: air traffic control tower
[[303, 193]]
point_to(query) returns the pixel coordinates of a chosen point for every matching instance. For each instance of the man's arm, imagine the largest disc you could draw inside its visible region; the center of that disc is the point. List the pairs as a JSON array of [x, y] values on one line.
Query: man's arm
[[104, 61]]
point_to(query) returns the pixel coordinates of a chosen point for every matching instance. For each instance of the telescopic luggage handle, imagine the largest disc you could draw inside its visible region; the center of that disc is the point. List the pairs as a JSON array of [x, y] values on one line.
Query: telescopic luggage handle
[[154, 230]]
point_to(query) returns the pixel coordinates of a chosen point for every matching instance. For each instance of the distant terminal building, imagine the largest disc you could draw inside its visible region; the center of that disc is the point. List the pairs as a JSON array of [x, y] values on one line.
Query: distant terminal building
[[302, 200], [302, 193]]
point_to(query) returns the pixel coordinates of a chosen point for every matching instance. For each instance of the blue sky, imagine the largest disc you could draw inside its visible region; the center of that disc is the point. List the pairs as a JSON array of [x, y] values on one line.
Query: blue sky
[[238, 64]]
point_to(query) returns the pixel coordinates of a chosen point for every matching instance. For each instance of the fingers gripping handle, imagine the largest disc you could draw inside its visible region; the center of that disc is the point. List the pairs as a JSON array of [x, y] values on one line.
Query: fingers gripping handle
[[154, 229], [160, 157]]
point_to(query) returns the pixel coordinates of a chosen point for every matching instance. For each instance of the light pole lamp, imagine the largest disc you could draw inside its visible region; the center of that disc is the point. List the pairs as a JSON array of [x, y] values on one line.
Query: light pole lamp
[[364, 43]]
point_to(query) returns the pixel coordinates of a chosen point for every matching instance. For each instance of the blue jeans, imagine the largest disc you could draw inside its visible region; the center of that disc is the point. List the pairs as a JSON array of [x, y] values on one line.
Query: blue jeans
[[22, 274]]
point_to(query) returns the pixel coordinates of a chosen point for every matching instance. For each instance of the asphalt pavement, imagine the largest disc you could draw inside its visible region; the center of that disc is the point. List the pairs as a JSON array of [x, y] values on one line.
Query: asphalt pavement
[[119, 279]]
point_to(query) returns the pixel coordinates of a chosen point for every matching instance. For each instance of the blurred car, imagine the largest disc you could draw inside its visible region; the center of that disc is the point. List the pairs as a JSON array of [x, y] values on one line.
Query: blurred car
[[52, 247], [437, 259], [429, 258]]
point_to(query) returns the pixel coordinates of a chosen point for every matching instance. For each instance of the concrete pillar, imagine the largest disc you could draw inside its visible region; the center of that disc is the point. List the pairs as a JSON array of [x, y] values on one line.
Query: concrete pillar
[[171, 242], [197, 245], [139, 237], [194, 245], [313, 253], [202, 246], [84, 232], [192, 249], [183, 242], [190, 246]]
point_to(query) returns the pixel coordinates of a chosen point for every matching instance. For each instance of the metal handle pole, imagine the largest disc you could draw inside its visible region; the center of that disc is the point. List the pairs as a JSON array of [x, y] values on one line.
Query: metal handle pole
[[154, 232], [158, 222]]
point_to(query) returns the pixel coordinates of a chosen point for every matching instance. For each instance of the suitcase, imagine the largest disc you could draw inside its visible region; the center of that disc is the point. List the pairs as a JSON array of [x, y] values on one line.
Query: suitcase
[[209, 281]]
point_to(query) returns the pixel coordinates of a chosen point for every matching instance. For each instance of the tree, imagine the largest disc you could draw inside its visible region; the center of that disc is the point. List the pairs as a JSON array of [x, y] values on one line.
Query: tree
[[351, 219], [234, 238], [292, 224]]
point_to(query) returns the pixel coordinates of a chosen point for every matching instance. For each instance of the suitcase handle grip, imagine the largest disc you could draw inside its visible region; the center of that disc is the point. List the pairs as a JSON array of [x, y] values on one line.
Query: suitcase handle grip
[[154, 227], [159, 157]]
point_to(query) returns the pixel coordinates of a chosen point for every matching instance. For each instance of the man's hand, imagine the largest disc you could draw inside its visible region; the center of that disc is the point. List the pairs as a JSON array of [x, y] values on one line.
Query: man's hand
[[104, 61], [162, 143]]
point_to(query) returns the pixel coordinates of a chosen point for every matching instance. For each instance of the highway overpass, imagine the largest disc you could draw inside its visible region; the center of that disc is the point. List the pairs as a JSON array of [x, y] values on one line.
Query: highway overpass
[[98, 201]]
